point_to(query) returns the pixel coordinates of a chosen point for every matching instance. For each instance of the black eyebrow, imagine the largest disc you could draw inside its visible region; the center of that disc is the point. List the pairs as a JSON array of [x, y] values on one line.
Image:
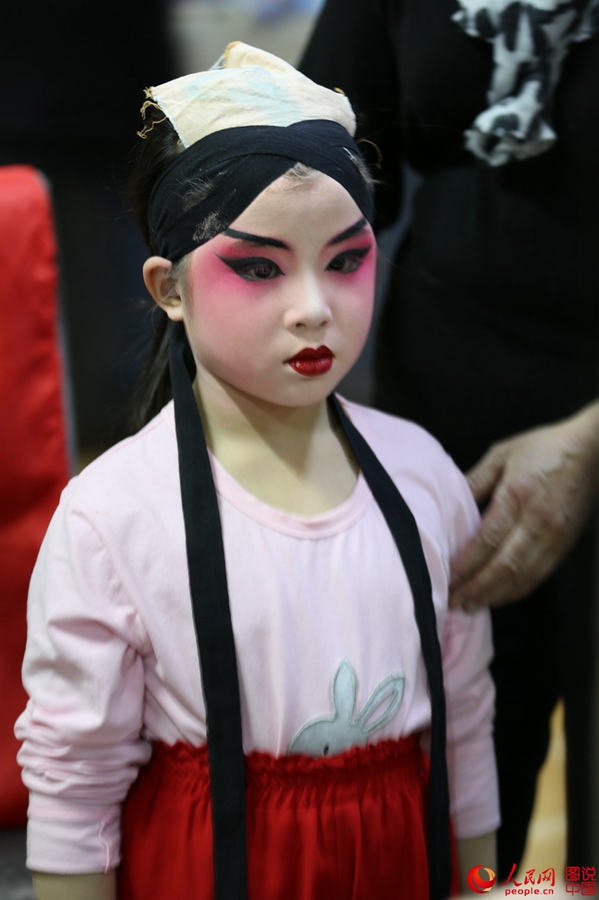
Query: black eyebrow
[[259, 241], [255, 239], [359, 226]]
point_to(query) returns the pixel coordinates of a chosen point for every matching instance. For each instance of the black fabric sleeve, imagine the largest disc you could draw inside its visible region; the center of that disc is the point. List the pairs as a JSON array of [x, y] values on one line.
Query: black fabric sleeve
[[351, 48]]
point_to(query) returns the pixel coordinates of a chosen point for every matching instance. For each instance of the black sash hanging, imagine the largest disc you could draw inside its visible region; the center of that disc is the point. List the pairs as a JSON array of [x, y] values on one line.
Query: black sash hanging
[[402, 526], [216, 646], [214, 632]]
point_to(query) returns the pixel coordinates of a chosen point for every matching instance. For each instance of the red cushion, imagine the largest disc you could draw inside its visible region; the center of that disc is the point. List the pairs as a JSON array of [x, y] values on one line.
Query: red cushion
[[34, 458]]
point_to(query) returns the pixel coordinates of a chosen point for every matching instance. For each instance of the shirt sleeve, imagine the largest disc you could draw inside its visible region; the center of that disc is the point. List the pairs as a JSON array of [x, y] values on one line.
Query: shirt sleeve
[[470, 697], [467, 650], [83, 671]]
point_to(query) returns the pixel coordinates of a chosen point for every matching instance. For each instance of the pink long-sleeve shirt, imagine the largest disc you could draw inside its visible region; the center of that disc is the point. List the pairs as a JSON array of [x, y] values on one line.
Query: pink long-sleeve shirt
[[111, 661]]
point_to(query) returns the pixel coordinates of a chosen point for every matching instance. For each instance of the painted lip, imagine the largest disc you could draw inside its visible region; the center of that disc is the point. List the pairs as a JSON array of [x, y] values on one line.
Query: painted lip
[[312, 362]]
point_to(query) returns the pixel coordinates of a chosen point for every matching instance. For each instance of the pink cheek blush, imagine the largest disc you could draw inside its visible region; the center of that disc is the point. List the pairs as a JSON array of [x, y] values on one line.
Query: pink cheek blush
[[363, 280], [367, 270], [223, 308], [218, 294]]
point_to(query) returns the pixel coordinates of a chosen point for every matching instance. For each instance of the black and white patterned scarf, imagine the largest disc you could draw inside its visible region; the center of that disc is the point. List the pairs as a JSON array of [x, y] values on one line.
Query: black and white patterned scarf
[[530, 42]]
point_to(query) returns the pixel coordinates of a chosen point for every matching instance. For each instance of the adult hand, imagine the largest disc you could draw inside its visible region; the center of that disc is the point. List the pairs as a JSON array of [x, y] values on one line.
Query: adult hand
[[542, 486]]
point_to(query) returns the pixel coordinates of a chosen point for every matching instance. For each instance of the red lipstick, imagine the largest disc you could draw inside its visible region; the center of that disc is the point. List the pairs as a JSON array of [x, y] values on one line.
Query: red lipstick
[[312, 362]]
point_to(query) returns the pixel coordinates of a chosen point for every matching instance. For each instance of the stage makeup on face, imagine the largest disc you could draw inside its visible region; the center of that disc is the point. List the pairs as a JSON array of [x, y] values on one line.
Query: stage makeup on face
[[278, 306]]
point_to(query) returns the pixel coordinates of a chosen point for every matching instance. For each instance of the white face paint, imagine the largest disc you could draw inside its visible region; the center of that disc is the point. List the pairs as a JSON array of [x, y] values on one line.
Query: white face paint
[[279, 306]]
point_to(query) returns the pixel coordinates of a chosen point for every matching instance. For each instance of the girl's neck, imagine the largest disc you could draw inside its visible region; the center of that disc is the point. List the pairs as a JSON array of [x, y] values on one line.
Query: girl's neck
[[294, 458], [231, 416]]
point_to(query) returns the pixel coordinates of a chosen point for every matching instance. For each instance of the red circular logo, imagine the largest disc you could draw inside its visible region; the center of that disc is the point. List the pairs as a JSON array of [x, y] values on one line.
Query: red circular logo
[[480, 880]]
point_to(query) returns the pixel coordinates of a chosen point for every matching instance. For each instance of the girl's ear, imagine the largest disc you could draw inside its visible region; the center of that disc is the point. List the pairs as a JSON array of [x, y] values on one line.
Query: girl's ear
[[158, 278]]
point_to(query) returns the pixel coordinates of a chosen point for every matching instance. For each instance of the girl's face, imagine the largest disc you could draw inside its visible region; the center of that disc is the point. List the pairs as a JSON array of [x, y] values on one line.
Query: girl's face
[[278, 307]]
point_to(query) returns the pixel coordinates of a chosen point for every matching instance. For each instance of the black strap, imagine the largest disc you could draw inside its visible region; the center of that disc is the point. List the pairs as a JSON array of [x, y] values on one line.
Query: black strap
[[214, 633], [402, 526]]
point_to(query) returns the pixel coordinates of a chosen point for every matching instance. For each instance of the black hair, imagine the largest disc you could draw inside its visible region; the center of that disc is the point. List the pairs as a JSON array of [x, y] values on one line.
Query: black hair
[[158, 149]]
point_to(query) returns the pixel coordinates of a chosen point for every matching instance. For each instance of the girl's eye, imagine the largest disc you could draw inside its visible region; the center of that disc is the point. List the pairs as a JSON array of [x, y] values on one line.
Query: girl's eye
[[252, 269], [348, 262]]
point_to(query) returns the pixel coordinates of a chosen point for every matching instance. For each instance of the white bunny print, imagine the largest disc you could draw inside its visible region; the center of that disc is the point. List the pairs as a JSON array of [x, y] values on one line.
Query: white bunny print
[[329, 736]]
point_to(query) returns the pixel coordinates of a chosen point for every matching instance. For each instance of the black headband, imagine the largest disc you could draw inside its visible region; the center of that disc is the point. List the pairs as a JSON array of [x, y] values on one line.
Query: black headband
[[212, 182]]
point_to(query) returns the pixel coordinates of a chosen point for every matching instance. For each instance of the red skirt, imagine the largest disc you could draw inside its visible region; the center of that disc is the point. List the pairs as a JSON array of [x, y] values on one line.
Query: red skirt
[[348, 827]]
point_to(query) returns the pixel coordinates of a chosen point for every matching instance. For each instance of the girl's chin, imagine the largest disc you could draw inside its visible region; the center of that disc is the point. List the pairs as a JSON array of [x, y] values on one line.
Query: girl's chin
[[296, 391]]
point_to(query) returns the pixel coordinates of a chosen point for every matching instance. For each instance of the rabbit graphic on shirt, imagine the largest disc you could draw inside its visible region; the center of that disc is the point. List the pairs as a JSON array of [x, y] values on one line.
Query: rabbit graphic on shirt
[[344, 730]]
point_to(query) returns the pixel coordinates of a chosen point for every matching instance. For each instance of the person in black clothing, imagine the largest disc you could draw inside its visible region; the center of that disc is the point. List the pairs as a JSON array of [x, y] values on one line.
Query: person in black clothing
[[489, 331]]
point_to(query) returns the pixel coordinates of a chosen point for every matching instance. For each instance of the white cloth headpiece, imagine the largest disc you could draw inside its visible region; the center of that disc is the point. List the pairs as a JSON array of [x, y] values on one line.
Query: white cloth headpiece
[[247, 86]]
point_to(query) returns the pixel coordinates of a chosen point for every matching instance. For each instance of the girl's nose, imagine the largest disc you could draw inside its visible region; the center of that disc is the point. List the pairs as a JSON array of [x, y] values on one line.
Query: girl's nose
[[308, 307]]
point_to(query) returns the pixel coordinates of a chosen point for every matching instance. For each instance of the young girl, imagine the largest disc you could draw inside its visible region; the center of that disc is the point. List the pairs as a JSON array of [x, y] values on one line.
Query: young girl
[[255, 526]]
